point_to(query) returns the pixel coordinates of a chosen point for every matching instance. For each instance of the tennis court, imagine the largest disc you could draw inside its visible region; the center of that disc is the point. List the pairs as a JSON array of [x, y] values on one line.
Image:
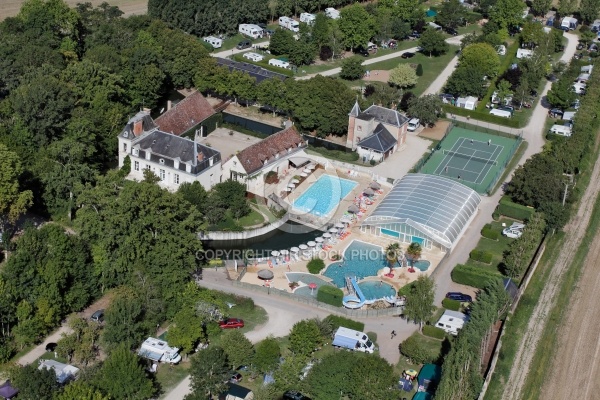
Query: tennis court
[[473, 158]]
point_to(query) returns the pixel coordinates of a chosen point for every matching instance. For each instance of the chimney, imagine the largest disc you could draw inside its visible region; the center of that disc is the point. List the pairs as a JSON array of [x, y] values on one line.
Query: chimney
[[138, 127], [200, 156], [169, 104]]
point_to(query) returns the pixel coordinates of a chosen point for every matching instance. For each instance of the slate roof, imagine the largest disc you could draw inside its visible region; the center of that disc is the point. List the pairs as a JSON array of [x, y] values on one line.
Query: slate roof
[[253, 70], [381, 140], [185, 115], [385, 115], [147, 124], [355, 110], [174, 147], [258, 155]]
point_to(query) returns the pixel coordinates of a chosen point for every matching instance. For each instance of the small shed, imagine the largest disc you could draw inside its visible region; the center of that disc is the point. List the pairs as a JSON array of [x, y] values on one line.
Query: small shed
[[7, 391], [429, 377], [431, 13]]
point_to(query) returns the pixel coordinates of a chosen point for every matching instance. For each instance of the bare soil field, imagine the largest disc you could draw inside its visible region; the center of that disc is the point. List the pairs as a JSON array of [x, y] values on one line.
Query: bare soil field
[[10, 8], [577, 358], [436, 132], [377, 75]]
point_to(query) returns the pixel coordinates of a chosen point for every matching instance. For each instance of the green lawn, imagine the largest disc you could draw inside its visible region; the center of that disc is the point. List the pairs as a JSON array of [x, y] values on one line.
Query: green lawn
[[496, 247], [254, 218], [232, 41], [169, 376]]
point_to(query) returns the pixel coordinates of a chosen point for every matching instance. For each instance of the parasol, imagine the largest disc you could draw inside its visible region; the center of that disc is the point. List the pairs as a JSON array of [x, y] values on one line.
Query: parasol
[[294, 181], [353, 209], [303, 247], [369, 192], [274, 253], [327, 235], [265, 274], [294, 249], [375, 185], [340, 225], [312, 287], [311, 244], [319, 239], [333, 230]]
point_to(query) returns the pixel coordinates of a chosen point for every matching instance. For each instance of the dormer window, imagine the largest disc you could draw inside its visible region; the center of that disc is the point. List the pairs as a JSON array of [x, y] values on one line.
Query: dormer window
[[136, 152], [161, 161], [359, 128]]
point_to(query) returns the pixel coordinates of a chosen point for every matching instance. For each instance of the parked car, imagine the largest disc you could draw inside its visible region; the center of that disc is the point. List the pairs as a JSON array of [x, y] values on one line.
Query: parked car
[[512, 233], [517, 225], [362, 51], [294, 395], [51, 346], [269, 31], [231, 323], [98, 316], [408, 54], [244, 44], [451, 31], [236, 377], [463, 298], [415, 35]]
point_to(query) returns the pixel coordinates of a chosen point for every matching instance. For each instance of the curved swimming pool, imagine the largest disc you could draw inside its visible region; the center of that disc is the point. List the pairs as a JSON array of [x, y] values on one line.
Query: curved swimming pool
[[307, 279], [376, 290], [360, 260], [324, 195], [422, 265]]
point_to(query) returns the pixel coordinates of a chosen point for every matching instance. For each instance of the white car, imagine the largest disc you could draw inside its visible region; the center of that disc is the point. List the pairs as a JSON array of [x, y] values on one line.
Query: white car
[[517, 225], [512, 233]]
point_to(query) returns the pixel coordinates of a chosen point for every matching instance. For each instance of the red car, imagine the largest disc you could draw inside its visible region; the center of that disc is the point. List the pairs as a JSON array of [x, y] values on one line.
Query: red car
[[231, 323]]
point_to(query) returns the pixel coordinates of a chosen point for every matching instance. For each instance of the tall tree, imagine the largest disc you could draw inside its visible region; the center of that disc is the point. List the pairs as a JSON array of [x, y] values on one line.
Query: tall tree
[[34, 383], [566, 7], [589, 10], [452, 14], [305, 337], [507, 13], [561, 95], [124, 320], [427, 109], [419, 302], [267, 355], [433, 42], [357, 25], [122, 376], [238, 348], [540, 7], [352, 68], [481, 56], [403, 76], [208, 372], [80, 390]]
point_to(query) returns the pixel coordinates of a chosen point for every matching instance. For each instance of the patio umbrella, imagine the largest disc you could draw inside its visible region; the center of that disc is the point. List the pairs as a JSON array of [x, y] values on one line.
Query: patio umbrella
[[304, 174], [312, 287], [265, 274], [303, 247], [306, 170], [294, 181], [386, 270], [284, 252], [291, 185], [311, 166], [274, 253], [319, 239], [294, 249], [333, 230], [346, 218], [288, 189], [340, 225], [375, 186], [327, 235], [311, 244], [353, 209], [369, 192]]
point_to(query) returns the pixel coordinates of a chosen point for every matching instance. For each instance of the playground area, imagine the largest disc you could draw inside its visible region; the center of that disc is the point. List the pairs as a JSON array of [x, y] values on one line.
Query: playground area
[[475, 159]]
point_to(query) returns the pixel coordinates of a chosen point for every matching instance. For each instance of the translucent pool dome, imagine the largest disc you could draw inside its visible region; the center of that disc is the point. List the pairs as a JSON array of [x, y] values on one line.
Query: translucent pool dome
[[425, 208]]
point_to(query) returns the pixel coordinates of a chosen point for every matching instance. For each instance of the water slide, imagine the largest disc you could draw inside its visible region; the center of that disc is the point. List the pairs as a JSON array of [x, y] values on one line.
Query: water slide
[[356, 299]]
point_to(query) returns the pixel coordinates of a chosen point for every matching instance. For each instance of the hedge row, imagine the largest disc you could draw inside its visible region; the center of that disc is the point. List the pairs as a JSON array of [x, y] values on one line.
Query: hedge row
[[488, 232], [484, 116], [513, 210], [481, 256], [330, 295], [434, 332], [449, 304], [472, 276], [336, 321]]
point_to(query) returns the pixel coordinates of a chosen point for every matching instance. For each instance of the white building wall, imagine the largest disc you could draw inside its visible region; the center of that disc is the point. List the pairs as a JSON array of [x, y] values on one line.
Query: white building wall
[[369, 154]]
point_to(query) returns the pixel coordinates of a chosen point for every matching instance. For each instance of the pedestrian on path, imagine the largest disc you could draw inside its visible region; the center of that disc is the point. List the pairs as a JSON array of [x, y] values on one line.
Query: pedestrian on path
[[393, 334]]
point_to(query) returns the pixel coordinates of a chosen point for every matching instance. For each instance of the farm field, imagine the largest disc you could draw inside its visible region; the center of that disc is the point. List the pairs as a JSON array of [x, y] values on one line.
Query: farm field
[[10, 8]]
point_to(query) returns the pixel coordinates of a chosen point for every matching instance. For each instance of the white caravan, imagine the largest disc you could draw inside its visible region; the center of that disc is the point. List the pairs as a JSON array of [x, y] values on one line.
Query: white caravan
[[251, 30], [159, 350], [308, 18], [561, 130], [288, 23], [253, 57], [332, 13], [452, 321], [214, 42]]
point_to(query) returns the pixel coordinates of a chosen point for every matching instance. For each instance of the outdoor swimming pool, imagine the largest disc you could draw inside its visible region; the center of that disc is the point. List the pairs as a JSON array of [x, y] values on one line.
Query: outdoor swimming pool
[[422, 265], [324, 195], [306, 279], [374, 290], [360, 259]]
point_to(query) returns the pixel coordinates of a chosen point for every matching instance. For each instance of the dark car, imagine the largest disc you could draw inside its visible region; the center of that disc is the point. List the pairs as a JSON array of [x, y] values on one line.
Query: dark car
[[98, 316], [294, 395], [451, 31], [463, 298], [244, 44], [408, 54], [362, 51], [236, 377], [580, 46], [51, 346], [262, 25], [269, 31], [415, 35], [231, 323], [533, 93]]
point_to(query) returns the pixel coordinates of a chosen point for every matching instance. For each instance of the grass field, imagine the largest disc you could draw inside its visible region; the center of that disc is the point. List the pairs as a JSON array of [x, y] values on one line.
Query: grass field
[[496, 247], [10, 8]]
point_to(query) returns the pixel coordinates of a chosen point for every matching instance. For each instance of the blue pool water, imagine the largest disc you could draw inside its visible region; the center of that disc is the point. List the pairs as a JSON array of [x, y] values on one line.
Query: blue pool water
[[422, 265], [360, 259], [324, 195], [374, 290], [306, 279]]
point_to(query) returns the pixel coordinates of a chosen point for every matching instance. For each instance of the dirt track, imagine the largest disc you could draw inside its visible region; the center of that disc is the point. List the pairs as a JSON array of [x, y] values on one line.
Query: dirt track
[[577, 355], [10, 8]]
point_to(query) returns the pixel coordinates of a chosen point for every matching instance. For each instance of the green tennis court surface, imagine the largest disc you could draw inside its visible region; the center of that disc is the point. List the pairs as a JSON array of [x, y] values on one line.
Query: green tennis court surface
[[475, 159]]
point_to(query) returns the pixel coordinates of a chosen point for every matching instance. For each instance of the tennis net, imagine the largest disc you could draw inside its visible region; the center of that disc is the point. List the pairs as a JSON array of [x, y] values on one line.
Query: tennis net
[[469, 157]]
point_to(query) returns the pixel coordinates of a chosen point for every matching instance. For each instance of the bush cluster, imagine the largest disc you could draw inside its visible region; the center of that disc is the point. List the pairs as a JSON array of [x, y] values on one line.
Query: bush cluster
[[336, 321], [315, 265], [481, 256], [434, 332], [483, 116], [489, 232], [330, 295], [513, 210], [472, 276], [416, 351], [452, 305]]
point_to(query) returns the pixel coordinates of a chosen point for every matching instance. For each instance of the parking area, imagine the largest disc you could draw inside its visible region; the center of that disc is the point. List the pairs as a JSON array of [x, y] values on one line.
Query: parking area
[[228, 142]]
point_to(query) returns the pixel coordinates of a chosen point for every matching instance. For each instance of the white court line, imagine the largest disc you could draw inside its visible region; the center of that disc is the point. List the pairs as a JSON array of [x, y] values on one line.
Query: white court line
[[489, 169]]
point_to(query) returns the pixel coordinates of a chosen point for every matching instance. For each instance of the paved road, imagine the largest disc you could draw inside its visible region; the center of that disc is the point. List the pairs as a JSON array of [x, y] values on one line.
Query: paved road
[[227, 53]]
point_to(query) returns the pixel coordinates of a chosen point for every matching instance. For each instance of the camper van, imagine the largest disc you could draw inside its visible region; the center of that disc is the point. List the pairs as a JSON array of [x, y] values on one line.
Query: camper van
[[159, 350], [501, 113], [308, 18], [253, 57], [214, 42], [251, 30], [413, 124], [568, 23], [561, 130], [452, 321], [579, 88], [278, 63], [288, 23], [332, 13]]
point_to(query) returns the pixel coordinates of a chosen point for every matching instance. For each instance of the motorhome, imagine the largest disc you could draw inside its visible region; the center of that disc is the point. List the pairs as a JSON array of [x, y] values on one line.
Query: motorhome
[[352, 340], [568, 23], [288, 23], [214, 41], [251, 30], [561, 130], [278, 63], [501, 113], [579, 88], [253, 57], [159, 350], [413, 125], [452, 321], [308, 18], [332, 13]]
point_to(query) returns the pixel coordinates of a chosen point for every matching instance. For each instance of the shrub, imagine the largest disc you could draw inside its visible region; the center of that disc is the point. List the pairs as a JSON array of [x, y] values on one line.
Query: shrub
[[449, 304], [419, 70], [336, 321], [481, 256], [514, 210], [489, 232], [330, 295], [413, 349], [483, 116], [434, 332], [336, 154], [315, 265], [406, 289], [472, 276], [271, 177]]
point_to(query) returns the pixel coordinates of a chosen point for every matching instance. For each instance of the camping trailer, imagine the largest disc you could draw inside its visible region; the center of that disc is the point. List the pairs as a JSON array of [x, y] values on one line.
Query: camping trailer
[[452, 321], [288, 23], [501, 113], [253, 56], [251, 30], [561, 130], [332, 13], [214, 42], [278, 63], [159, 350], [352, 340], [308, 18]]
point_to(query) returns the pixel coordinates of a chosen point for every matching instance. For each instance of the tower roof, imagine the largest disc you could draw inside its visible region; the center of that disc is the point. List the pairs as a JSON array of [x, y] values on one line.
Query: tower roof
[[355, 110]]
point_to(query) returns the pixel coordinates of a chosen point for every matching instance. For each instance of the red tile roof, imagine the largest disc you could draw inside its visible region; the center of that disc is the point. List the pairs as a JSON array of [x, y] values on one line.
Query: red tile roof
[[186, 114], [258, 155]]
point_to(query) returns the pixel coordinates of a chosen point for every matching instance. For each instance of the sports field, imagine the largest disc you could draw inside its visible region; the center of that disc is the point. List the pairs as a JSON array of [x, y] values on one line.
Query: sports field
[[473, 158]]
